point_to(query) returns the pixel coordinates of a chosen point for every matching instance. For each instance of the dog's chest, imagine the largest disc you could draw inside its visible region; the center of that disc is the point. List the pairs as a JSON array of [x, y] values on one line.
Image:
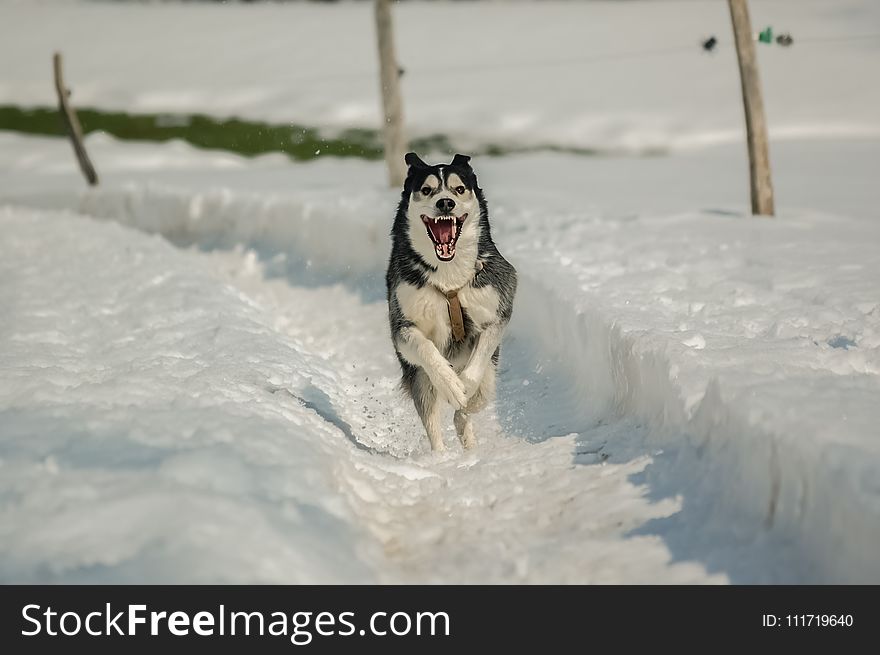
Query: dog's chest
[[428, 309]]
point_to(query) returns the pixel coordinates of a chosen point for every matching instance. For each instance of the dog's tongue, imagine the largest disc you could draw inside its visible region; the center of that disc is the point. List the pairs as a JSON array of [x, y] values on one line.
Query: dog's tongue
[[443, 231]]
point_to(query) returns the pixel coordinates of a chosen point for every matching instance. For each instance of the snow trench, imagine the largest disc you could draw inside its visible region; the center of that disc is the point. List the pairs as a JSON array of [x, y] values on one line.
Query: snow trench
[[754, 505]]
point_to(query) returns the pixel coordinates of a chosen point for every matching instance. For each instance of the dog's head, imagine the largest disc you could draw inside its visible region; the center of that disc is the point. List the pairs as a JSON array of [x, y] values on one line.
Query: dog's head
[[442, 208]]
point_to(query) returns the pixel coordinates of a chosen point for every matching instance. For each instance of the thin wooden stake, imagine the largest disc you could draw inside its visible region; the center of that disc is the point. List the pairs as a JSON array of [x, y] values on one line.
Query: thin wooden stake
[[72, 123], [756, 124], [392, 106]]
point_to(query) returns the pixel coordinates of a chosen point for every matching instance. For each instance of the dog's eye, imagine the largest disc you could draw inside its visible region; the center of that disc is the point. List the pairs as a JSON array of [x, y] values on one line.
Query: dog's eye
[[426, 191], [459, 190]]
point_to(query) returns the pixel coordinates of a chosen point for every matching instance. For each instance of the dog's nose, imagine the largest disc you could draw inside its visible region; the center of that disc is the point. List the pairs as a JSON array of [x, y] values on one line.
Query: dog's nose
[[445, 205]]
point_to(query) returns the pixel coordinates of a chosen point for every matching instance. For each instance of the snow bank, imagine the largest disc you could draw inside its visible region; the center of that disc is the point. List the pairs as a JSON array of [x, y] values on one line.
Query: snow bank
[[750, 348], [155, 427], [620, 76], [836, 177]]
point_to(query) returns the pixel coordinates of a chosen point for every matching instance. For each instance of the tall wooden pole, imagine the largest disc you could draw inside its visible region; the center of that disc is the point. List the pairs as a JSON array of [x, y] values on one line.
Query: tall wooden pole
[[392, 106], [756, 124], [72, 123]]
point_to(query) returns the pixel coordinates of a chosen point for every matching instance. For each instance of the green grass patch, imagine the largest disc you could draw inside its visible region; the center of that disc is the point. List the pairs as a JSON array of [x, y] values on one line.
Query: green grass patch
[[244, 137], [234, 135]]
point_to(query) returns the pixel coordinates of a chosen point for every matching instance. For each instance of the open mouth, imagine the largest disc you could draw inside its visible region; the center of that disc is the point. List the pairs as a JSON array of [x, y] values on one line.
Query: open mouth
[[444, 232]]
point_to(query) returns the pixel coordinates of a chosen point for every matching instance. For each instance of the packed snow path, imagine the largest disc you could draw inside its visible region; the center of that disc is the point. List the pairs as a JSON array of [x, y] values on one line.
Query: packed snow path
[[511, 510]]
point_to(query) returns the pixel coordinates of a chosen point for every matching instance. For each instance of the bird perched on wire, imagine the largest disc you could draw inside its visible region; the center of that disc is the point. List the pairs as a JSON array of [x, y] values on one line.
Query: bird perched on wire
[[784, 40]]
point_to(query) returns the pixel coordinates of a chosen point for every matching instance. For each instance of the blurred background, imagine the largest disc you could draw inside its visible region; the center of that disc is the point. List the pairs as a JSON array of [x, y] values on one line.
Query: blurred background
[[626, 83]]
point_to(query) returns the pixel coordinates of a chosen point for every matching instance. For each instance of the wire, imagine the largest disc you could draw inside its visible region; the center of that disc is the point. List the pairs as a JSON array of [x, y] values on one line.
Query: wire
[[564, 61], [817, 39], [610, 56]]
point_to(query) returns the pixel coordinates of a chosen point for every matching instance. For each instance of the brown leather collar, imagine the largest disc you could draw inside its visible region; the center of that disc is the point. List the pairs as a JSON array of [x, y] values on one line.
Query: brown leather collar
[[456, 318]]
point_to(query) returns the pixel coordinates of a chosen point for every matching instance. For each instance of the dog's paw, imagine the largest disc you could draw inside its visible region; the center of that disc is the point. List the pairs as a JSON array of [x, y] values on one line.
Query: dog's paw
[[470, 380], [451, 389]]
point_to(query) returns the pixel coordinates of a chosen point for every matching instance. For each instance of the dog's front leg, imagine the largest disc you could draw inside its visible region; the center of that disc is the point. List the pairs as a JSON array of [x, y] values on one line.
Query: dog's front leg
[[474, 371], [420, 351], [429, 407]]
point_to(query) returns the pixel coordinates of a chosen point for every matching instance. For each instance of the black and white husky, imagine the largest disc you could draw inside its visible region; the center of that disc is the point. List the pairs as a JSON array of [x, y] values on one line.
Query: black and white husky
[[450, 295]]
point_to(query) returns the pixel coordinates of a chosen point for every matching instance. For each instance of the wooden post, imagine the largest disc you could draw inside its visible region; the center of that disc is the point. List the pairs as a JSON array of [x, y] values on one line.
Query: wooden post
[[392, 106], [756, 124], [72, 123]]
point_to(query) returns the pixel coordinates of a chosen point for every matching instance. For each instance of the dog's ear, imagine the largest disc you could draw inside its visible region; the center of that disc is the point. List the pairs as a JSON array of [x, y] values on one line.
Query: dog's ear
[[412, 160], [461, 160]]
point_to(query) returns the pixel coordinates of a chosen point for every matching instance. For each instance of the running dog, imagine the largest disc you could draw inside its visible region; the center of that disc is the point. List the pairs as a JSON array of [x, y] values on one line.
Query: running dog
[[450, 295]]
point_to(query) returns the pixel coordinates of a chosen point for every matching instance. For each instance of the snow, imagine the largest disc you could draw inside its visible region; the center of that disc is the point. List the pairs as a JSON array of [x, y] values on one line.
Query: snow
[[197, 382], [830, 176], [139, 426], [593, 75], [684, 397], [725, 330], [175, 416]]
